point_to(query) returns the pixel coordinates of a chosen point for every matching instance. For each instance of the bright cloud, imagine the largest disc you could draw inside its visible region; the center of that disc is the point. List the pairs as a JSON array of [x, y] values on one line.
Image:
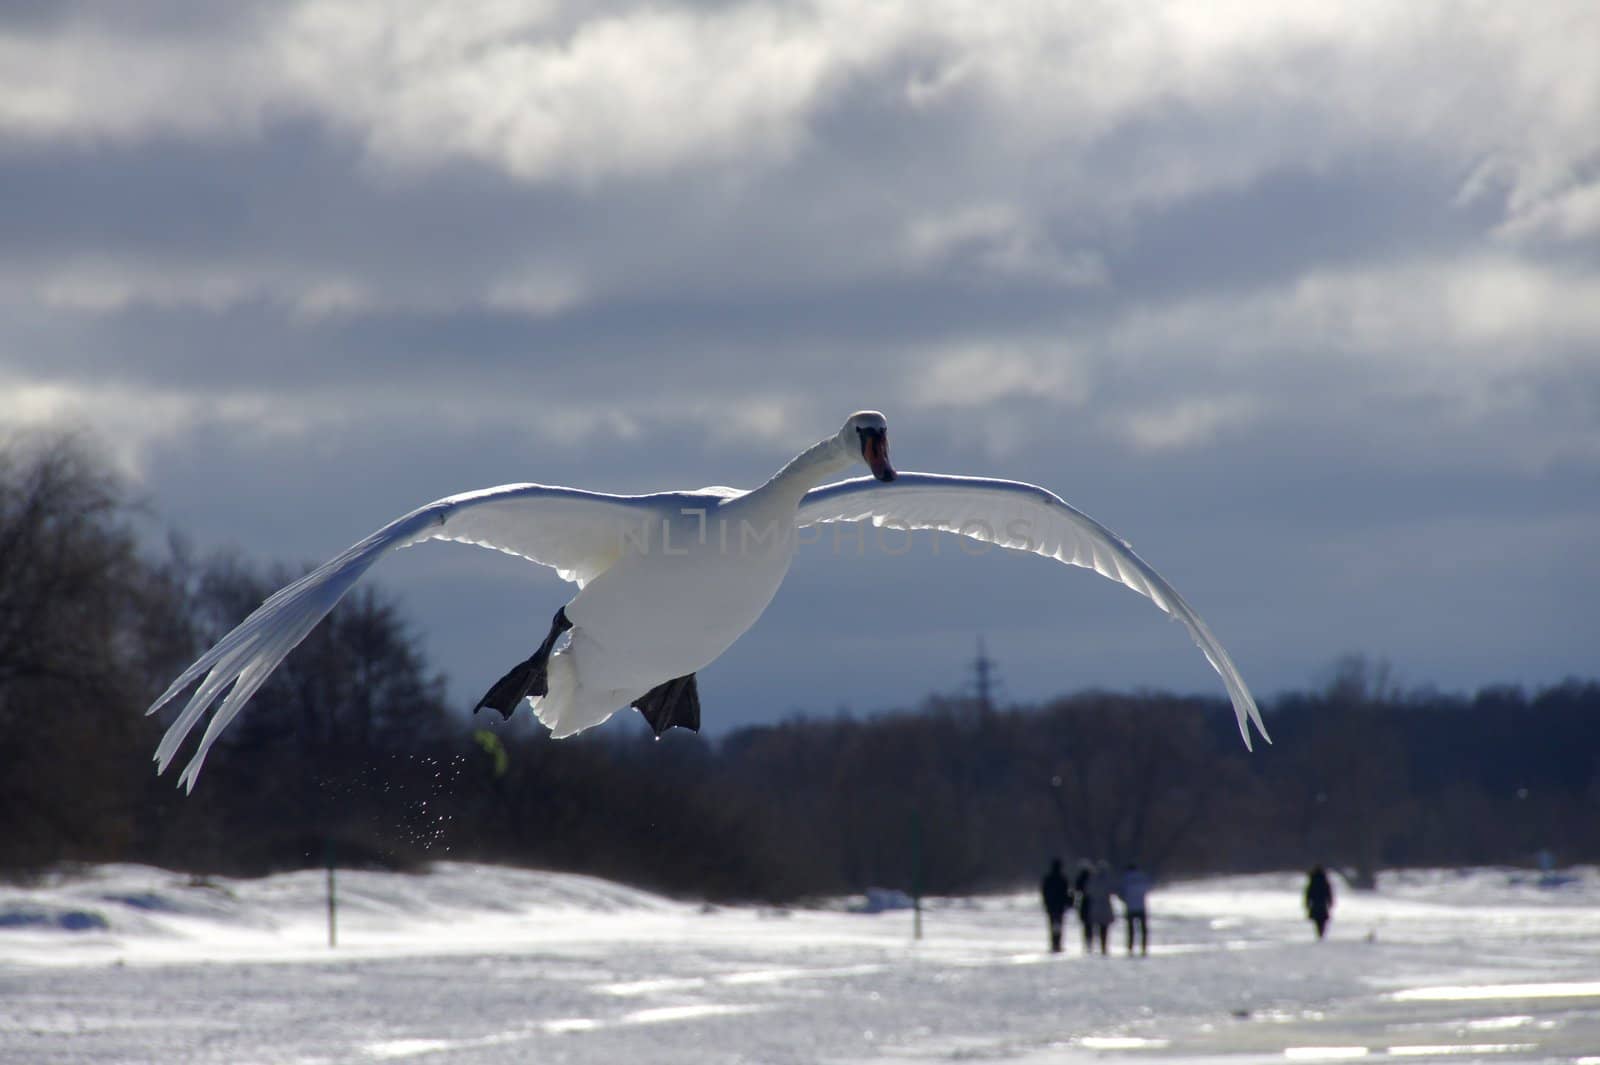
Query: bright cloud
[[548, 93], [1186, 422], [969, 377]]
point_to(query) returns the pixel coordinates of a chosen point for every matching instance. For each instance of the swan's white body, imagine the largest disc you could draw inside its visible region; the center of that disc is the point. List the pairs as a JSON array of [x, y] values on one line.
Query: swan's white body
[[669, 581], [696, 573]]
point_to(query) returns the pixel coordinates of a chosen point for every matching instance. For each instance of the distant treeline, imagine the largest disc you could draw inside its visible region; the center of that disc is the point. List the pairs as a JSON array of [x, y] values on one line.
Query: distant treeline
[[351, 749]]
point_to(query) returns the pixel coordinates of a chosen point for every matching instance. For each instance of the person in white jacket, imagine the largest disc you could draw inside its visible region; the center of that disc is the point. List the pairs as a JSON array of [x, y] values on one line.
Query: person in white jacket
[[1133, 889]]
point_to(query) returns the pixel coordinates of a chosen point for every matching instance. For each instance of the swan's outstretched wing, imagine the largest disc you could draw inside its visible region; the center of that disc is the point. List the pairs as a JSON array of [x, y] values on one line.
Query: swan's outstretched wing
[[1023, 517], [577, 533]]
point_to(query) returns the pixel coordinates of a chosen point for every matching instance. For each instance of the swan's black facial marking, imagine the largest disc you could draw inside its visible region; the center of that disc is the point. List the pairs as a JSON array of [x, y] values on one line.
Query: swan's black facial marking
[[875, 451]]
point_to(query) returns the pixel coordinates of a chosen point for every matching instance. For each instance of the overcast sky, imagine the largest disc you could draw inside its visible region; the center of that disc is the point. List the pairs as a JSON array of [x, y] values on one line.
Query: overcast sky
[[1301, 299]]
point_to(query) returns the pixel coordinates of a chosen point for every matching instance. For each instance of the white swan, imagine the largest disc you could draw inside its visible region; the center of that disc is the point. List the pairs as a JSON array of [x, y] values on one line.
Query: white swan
[[668, 581]]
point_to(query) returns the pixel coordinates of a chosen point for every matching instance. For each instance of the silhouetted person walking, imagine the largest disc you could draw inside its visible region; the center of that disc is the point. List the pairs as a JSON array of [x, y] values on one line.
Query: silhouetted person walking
[[1100, 887], [1057, 896], [1080, 884], [1319, 899], [1133, 889]]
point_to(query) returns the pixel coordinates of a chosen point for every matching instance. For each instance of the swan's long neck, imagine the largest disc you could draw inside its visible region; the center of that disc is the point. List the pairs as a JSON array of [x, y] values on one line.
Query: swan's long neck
[[813, 466]]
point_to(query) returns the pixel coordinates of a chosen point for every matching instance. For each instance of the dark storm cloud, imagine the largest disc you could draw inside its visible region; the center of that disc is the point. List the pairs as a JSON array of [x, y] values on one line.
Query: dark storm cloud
[[1360, 211], [178, 18], [296, 195]]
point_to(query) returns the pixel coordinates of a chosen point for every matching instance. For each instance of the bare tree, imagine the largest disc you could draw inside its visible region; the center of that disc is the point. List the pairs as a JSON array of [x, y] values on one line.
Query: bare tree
[[72, 595]]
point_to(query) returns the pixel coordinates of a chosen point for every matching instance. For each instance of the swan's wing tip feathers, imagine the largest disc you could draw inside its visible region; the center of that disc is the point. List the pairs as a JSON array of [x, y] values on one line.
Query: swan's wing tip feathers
[[238, 663], [1245, 709]]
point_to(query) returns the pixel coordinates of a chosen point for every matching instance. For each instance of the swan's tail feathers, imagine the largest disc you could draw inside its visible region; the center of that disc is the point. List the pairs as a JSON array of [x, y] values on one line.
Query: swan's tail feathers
[[569, 707], [528, 678], [243, 659], [677, 702]]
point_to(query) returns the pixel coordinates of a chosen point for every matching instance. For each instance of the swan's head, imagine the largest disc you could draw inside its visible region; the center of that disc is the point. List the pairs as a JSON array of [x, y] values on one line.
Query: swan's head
[[866, 437]]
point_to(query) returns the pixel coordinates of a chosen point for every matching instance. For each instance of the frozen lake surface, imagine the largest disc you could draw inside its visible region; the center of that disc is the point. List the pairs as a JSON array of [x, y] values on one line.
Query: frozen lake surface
[[477, 964]]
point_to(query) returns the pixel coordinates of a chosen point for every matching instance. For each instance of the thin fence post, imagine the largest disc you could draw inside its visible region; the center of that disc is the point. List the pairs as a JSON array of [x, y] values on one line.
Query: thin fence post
[[333, 905], [916, 874]]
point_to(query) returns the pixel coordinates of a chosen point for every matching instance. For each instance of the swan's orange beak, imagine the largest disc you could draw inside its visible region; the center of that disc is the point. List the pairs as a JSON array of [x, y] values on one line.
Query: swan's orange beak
[[875, 449]]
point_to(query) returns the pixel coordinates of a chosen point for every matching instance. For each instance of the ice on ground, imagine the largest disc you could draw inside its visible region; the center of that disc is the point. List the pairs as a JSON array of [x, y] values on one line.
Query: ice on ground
[[479, 964]]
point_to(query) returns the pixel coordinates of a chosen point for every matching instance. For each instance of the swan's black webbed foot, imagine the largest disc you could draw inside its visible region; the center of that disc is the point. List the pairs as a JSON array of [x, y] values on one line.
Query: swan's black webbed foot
[[526, 678], [677, 702]]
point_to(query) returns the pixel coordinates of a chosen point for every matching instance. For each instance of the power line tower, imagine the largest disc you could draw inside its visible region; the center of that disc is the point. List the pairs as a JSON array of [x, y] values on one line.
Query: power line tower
[[983, 679]]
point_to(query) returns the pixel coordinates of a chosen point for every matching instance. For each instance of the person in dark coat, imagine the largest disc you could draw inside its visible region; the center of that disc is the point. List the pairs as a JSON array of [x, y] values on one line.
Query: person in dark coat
[[1057, 896], [1319, 899]]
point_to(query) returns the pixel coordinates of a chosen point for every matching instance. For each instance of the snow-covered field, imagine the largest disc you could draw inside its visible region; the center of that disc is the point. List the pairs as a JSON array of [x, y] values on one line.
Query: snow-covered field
[[481, 964]]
